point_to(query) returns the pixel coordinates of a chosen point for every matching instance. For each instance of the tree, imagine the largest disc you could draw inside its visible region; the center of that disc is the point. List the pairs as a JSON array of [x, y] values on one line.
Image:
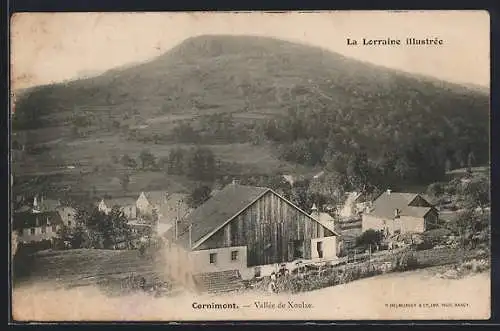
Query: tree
[[358, 170], [199, 195], [332, 185], [476, 193], [471, 159], [201, 164], [463, 227], [435, 190], [100, 230], [176, 163], [148, 160], [124, 181], [447, 165], [403, 168], [129, 162], [370, 238], [300, 194]]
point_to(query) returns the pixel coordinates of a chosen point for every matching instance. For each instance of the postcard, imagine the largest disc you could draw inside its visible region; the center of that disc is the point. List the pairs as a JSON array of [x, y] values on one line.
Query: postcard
[[221, 166]]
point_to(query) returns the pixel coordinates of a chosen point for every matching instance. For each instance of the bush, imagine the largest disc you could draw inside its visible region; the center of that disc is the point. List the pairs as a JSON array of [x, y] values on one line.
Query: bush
[[424, 246], [436, 236], [405, 261]]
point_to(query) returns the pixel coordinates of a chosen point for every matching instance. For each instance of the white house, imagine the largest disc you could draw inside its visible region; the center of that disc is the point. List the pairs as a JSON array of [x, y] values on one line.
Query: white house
[[126, 205], [168, 207], [397, 212]]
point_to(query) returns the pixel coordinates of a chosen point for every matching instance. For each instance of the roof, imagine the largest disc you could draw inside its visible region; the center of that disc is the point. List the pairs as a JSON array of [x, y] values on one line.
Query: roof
[[218, 210], [26, 220], [49, 204], [174, 206], [387, 203]]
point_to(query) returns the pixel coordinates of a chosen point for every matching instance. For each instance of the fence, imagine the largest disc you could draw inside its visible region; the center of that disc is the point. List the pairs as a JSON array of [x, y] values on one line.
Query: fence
[[391, 261]]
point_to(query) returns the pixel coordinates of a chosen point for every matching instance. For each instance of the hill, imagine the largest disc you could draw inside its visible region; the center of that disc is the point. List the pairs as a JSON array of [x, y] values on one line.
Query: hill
[[265, 104]]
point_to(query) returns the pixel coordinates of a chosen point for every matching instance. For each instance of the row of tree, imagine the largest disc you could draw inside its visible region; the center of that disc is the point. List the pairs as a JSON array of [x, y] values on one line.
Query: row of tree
[[197, 163], [95, 229], [378, 147]]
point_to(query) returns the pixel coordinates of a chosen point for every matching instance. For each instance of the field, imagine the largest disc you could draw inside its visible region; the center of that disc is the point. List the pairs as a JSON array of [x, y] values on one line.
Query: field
[[84, 267]]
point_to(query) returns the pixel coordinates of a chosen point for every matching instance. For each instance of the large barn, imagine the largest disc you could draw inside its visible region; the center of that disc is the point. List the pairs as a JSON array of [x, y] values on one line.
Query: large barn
[[246, 229]]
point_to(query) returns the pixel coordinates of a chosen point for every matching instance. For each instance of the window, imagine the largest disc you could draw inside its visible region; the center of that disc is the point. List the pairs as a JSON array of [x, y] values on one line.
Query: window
[[54, 228], [257, 271], [234, 255], [213, 258], [32, 231], [44, 229], [69, 223]]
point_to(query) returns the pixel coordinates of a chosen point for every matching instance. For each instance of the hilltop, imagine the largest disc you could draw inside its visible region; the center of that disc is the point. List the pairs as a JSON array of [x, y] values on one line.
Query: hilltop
[[268, 105]]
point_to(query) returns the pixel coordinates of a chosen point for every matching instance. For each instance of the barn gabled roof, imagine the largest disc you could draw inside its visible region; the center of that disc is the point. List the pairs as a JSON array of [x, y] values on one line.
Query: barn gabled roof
[[219, 210], [221, 207]]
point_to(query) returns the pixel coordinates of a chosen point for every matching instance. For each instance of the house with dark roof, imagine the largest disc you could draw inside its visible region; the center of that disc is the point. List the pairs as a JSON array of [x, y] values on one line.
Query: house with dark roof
[[41, 219], [396, 212], [247, 230], [36, 226]]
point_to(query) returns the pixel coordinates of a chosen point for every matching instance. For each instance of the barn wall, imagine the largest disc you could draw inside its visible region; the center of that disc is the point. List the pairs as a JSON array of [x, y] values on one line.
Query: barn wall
[[223, 259], [268, 229]]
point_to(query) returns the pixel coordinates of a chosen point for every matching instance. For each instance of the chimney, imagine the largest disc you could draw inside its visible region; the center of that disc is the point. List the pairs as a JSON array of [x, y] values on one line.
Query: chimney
[[314, 209], [388, 191]]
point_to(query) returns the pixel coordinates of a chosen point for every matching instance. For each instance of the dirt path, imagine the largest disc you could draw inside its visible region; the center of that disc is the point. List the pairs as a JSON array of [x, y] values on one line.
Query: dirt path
[[374, 298]]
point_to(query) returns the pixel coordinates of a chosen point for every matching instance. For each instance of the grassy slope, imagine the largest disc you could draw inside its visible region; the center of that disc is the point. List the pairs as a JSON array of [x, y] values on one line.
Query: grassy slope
[[251, 77], [89, 266]]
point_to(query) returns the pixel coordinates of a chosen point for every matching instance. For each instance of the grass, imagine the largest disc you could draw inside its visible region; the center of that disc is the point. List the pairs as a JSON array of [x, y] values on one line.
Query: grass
[[90, 266], [457, 173]]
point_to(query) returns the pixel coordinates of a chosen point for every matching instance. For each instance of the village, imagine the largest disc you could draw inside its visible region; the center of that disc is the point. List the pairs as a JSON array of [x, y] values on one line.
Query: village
[[246, 237]]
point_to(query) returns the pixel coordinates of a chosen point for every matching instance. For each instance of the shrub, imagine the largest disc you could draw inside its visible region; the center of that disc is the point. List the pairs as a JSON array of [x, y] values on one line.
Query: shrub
[[405, 261]]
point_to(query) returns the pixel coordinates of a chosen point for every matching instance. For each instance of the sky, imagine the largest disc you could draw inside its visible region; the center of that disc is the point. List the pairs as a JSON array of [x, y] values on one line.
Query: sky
[[54, 47]]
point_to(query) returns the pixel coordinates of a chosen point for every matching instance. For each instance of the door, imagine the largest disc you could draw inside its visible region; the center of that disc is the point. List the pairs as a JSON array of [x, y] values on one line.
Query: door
[[319, 248], [298, 249], [290, 251]]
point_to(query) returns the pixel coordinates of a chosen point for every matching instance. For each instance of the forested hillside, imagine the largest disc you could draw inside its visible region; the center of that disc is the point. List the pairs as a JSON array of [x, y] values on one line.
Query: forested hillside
[[283, 103]]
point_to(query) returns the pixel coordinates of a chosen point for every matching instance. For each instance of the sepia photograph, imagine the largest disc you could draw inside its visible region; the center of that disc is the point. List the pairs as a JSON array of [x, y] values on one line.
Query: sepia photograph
[[218, 166]]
